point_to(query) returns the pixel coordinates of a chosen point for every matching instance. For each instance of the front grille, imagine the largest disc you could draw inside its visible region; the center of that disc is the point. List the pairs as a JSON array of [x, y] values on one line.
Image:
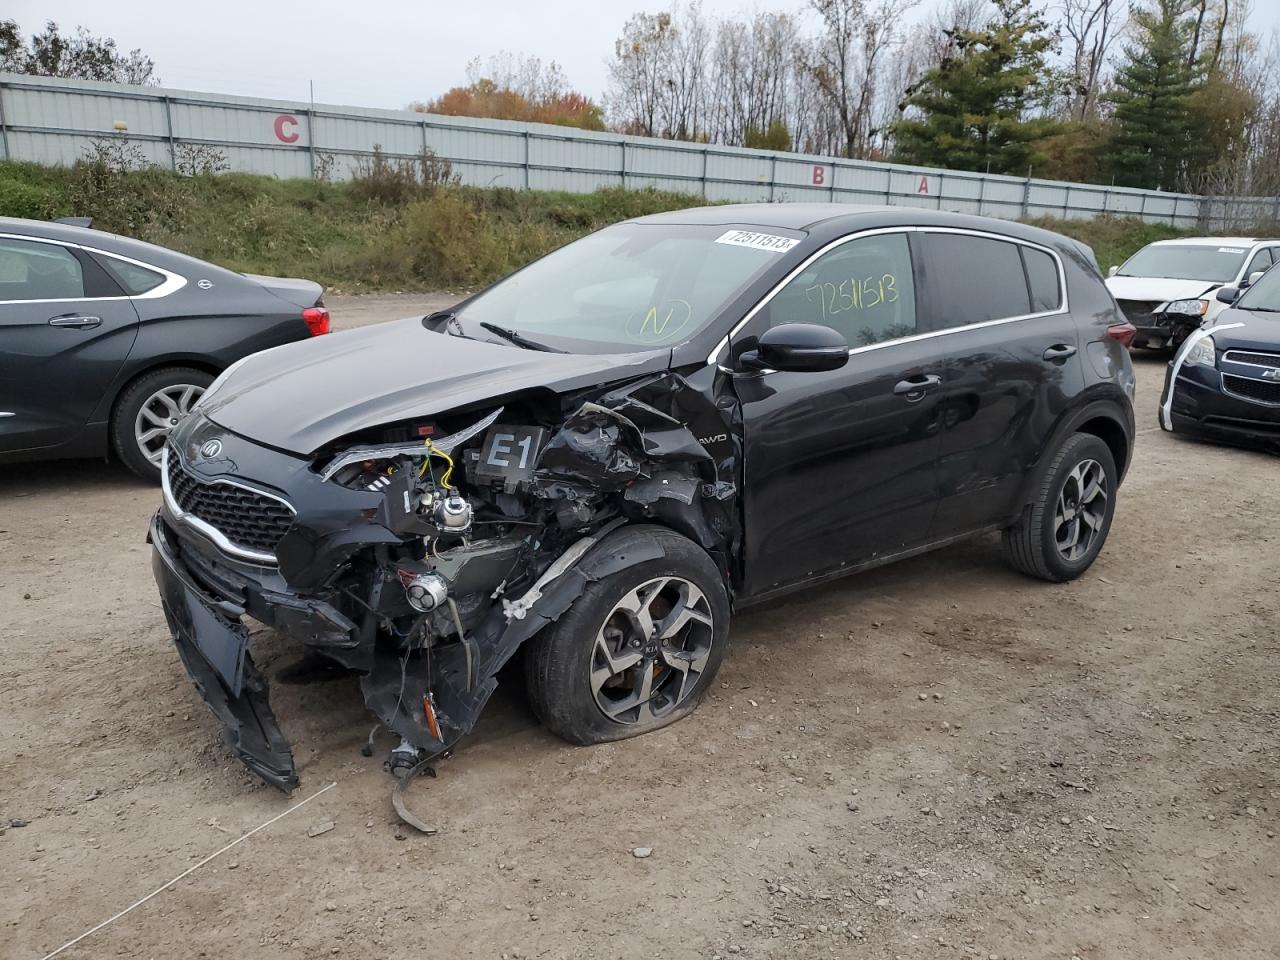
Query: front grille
[[1257, 359], [1139, 312], [246, 518], [1260, 390]]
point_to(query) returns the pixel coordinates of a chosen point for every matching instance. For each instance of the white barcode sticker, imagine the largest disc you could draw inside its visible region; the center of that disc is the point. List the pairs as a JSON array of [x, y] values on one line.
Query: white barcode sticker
[[757, 241]]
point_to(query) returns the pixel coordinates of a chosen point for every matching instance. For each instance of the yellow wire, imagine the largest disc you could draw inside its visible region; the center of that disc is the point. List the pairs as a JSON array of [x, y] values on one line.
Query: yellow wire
[[444, 481], [433, 451]]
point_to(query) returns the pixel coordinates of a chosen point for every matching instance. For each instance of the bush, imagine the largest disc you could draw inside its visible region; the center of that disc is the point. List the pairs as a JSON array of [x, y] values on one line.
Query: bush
[[395, 181], [29, 201]]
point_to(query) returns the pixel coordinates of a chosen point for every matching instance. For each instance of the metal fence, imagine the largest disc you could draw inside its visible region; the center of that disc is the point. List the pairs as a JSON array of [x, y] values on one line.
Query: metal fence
[[53, 121]]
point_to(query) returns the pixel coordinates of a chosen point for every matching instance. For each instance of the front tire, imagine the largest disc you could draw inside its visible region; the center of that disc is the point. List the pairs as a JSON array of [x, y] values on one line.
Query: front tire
[[1061, 532], [636, 651], [148, 410]]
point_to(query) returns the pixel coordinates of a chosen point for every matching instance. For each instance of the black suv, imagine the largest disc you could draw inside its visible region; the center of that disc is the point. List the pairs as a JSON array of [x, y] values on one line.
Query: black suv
[[611, 450]]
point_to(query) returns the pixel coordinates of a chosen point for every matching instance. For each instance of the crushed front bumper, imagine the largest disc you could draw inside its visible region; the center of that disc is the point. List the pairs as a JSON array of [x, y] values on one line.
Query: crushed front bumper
[[214, 647]]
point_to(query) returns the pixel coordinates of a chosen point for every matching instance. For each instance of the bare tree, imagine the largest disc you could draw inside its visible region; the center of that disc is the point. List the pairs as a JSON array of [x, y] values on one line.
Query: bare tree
[[1090, 27], [638, 72], [526, 75], [847, 63], [753, 80], [684, 100]]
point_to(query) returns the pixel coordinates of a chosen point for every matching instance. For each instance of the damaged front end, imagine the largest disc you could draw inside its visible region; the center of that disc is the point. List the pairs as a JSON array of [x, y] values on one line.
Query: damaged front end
[[422, 554]]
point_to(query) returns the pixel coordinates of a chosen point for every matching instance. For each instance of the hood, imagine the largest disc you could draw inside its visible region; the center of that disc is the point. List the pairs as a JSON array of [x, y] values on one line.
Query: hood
[[1260, 333], [303, 293], [301, 396], [1158, 289]]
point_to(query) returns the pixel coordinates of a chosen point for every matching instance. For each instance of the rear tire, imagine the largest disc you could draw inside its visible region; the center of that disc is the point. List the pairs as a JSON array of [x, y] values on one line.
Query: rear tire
[[1062, 530], [588, 673], [148, 410]]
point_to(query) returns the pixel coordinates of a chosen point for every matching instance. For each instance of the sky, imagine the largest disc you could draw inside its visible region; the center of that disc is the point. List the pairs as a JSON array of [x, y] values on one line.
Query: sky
[[396, 52]]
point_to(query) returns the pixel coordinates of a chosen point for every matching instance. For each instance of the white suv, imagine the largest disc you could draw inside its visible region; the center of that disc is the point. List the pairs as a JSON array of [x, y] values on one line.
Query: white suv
[[1166, 288]]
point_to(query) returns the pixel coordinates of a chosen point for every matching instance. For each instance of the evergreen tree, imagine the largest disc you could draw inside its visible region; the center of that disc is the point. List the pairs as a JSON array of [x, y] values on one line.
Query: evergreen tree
[[975, 109], [1155, 99]]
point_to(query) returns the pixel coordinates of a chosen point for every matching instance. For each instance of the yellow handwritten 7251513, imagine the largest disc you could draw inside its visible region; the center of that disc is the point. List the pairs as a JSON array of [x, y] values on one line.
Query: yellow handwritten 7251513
[[854, 294]]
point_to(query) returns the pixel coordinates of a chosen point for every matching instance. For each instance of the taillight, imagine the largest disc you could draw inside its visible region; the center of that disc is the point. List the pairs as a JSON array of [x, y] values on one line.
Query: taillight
[[317, 320], [1122, 333]]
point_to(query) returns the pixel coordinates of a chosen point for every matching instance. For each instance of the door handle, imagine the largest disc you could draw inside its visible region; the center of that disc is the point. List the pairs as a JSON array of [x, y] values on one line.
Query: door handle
[[1059, 351], [77, 323], [917, 384]]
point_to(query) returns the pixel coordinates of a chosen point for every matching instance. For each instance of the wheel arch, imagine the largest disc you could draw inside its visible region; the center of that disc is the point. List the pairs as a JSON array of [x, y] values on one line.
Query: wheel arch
[[111, 400], [1109, 419]]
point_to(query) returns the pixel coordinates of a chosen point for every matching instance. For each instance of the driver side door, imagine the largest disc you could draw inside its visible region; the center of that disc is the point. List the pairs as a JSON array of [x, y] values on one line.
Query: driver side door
[[65, 331], [841, 466]]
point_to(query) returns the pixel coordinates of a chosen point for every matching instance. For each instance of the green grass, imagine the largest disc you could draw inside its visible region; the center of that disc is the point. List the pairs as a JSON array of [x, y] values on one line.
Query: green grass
[[376, 235]]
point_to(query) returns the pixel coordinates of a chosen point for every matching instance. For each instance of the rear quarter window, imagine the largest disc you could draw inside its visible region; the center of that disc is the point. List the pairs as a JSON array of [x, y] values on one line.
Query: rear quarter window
[[135, 280], [1042, 277]]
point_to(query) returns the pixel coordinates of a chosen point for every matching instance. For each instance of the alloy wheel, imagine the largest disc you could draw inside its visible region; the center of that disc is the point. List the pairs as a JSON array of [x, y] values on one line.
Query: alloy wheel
[[161, 412], [1081, 510], [651, 649]]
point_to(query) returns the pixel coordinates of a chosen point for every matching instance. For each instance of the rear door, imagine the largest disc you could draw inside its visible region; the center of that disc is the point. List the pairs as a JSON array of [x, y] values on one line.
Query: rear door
[[65, 330], [1013, 364], [840, 466]]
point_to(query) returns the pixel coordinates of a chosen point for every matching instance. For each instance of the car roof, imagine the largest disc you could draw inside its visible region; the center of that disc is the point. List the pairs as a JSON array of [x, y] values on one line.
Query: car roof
[[108, 243], [1213, 241], [834, 216]]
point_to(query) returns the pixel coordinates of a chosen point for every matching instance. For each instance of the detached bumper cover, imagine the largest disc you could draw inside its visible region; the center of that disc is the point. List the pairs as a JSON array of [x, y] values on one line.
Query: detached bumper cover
[[214, 647]]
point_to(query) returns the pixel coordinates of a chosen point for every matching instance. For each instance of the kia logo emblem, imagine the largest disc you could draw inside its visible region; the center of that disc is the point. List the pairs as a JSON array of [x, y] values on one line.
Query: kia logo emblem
[[211, 449]]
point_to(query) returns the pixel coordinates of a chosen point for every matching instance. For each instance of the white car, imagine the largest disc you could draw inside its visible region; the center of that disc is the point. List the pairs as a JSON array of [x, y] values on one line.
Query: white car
[[1166, 289]]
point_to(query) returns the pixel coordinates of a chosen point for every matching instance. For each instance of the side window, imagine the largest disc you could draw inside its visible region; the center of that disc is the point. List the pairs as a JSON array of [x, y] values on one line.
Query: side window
[[976, 279], [1262, 260], [1042, 276], [863, 289], [133, 279], [39, 271]]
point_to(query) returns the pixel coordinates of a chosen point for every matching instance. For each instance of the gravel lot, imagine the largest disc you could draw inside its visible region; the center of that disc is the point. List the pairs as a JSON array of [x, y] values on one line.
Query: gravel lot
[[936, 759]]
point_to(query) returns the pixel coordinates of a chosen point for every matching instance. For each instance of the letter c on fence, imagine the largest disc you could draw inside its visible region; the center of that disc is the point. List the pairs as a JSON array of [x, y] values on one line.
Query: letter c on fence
[[282, 121], [819, 175]]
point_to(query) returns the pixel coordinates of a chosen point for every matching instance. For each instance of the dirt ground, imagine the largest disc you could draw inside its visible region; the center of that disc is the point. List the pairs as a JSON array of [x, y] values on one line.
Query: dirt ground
[[936, 759]]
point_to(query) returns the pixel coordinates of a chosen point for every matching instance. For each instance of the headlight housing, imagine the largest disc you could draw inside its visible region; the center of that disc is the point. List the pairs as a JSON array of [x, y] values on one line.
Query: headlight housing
[[1203, 353], [1190, 308]]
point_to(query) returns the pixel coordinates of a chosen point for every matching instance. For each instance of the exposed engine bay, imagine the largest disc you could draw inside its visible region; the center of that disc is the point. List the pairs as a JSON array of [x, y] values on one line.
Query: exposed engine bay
[[424, 553]]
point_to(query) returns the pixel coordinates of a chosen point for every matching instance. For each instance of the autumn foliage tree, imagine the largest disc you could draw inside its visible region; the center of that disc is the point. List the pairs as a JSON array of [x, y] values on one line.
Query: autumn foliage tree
[[509, 88]]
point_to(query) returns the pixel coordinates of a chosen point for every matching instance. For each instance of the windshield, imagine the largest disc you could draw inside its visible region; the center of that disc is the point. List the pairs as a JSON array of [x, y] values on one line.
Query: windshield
[[1187, 261], [628, 287], [1263, 295]]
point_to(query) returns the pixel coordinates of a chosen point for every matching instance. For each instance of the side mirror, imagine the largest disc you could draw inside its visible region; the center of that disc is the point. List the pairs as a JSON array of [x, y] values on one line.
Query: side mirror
[[799, 347], [1228, 294], [1254, 278], [1112, 270]]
